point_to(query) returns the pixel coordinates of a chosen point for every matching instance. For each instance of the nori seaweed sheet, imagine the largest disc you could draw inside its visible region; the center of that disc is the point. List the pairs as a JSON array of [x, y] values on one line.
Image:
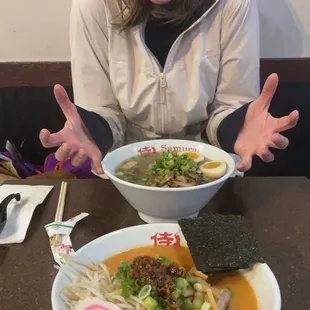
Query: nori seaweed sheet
[[221, 243]]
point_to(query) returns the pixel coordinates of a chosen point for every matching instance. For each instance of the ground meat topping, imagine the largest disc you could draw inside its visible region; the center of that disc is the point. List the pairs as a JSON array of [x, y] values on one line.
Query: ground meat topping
[[149, 271], [160, 276], [176, 271]]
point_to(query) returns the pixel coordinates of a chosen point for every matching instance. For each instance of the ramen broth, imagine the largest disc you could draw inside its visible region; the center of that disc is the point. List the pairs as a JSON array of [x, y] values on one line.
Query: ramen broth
[[243, 296], [171, 169]]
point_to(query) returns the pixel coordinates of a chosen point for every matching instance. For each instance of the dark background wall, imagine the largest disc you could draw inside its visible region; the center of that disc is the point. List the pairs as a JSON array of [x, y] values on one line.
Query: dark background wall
[[27, 105]]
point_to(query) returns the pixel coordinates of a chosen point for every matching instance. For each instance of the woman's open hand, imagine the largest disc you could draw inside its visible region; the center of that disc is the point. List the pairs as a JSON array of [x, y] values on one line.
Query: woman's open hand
[[261, 131], [74, 140]]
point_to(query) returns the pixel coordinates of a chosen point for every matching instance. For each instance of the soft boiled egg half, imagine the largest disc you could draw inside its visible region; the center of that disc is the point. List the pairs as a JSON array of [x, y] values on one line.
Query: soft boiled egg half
[[195, 156], [214, 169]]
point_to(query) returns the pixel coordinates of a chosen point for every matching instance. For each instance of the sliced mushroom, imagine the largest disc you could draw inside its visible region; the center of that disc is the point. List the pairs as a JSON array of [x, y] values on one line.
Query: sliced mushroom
[[224, 300], [129, 165], [176, 183], [165, 180], [181, 178], [194, 176]]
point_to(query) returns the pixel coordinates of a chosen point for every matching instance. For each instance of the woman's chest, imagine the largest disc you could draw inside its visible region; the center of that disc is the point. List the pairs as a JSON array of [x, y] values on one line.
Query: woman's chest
[[139, 46], [182, 87]]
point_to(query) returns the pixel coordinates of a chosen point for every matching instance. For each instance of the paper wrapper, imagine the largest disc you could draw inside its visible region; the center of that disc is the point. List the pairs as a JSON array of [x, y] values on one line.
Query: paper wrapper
[[63, 230]]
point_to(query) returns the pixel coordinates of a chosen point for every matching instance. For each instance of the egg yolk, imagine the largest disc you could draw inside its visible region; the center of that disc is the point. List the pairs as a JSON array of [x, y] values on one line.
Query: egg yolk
[[212, 165], [192, 155]]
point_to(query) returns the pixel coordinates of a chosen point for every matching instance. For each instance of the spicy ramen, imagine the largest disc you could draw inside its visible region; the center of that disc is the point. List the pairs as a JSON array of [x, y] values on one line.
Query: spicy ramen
[[156, 278]]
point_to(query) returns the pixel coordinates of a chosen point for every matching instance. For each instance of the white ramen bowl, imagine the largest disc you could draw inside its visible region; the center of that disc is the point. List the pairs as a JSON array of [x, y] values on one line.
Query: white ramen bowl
[[160, 205], [260, 277]]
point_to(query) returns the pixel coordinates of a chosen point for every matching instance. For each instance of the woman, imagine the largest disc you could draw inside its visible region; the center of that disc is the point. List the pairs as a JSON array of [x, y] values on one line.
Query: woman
[[144, 69]]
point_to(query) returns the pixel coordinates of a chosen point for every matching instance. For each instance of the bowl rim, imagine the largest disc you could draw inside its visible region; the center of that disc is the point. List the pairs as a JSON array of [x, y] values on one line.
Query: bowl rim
[[274, 283], [114, 178]]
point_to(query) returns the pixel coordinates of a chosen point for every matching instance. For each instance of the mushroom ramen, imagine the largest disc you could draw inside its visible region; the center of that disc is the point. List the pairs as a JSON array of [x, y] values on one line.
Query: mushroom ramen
[[171, 169]]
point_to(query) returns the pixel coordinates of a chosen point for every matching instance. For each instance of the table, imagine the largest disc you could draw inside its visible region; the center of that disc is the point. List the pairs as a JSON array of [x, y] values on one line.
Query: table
[[278, 210]]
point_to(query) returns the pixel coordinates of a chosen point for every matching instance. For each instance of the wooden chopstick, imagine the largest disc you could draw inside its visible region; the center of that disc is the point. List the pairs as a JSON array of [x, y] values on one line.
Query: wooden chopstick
[[60, 209], [61, 202]]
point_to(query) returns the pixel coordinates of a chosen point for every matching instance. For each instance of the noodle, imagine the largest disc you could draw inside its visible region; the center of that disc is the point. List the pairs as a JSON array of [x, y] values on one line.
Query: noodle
[[95, 281], [199, 274], [211, 299]]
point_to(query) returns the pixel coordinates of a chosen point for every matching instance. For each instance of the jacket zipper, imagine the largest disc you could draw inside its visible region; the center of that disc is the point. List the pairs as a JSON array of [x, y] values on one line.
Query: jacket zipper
[[163, 85], [163, 81], [162, 99]]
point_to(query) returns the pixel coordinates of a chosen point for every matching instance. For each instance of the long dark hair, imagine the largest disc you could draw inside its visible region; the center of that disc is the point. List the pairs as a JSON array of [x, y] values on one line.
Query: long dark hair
[[135, 12]]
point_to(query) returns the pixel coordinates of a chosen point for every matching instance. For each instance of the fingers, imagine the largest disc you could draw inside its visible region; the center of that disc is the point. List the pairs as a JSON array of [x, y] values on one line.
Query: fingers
[[245, 164], [269, 89], [278, 141], [266, 155], [287, 122], [64, 152], [49, 140], [67, 107], [98, 170], [96, 159], [79, 158], [45, 138]]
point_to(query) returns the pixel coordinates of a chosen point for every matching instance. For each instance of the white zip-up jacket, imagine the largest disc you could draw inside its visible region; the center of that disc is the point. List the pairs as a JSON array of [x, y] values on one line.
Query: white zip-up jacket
[[211, 70]]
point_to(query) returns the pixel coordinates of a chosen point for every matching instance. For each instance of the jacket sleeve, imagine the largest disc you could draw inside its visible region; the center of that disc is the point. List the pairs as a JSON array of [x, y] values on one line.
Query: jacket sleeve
[[238, 80], [90, 66]]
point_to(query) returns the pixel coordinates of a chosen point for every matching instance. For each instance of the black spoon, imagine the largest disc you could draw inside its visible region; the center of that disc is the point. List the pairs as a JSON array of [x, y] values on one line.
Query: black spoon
[[3, 209]]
